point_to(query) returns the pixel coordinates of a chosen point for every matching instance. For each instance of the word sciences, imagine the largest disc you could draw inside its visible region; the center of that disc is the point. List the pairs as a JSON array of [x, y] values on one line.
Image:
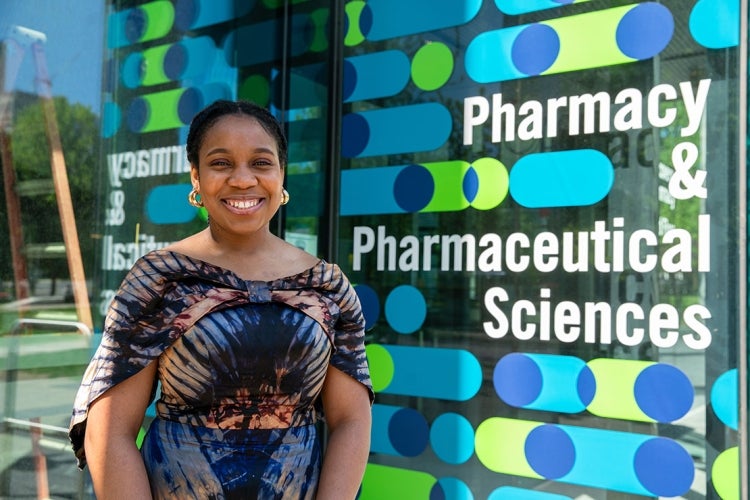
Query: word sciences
[[628, 110], [630, 324]]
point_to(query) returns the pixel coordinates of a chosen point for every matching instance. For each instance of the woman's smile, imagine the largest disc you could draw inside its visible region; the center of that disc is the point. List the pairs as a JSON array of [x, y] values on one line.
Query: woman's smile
[[244, 205]]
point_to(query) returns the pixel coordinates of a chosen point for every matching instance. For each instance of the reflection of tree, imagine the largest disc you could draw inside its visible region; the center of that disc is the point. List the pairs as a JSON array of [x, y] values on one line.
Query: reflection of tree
[[41, 223]]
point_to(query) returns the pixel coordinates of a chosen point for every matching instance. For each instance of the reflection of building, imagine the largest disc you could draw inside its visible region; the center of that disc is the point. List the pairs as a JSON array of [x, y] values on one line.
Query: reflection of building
[[541, 273]]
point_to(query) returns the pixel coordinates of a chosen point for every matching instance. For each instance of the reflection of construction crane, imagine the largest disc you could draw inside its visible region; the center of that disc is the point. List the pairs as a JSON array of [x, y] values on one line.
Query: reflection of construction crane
[[15, 45]]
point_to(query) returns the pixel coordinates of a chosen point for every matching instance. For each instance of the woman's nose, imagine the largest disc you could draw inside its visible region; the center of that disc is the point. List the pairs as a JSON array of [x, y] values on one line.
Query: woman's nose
[[243, 176]]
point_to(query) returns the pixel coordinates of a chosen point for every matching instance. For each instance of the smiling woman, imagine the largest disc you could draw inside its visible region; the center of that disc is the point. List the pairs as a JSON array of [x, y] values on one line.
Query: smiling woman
[[252, 339]]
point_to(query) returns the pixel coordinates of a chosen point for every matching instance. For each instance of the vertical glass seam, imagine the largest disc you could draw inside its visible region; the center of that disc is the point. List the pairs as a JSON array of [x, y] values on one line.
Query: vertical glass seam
[[742, 348], [335, 98]]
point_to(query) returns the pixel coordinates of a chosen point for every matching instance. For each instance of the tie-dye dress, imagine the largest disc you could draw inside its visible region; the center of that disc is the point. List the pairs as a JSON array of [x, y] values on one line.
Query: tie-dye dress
[[241, 365]]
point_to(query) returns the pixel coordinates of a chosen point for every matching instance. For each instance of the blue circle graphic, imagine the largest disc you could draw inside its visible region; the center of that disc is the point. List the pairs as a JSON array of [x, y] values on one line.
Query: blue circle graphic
[[135, 24], [186, 12], [405, 309], [408, 432], [664, 467], [663, 392], [355, 135], [191, 101], [645, 30], [350, 79], [175, 61], [413, 188], [586, 386], [138, 114], [471, 184], [452, 438], [111, 118], [370, 304], [437, 492], [517, 379], [550, 451], [535, 49], [450, 488], [133, 70], [365, 20]]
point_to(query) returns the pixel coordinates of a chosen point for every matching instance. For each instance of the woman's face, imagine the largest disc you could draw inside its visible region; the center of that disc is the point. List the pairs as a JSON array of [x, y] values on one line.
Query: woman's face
[[238, 175]]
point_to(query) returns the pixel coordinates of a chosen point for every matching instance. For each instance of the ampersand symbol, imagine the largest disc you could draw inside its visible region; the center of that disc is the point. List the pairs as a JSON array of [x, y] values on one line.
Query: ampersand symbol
[[116, 212], [683, 185]]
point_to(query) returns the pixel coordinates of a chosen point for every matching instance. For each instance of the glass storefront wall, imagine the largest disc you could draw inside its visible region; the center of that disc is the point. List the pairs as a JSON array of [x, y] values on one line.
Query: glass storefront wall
[[50, 145], [540, 203]]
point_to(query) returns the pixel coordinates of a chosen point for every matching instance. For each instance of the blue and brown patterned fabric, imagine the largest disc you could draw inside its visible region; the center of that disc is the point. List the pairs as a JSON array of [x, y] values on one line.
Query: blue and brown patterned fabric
[[241, 365]]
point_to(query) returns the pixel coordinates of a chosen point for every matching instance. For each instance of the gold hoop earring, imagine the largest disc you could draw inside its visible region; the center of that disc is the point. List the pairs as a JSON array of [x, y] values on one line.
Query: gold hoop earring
[[284, 196], [194, 198]]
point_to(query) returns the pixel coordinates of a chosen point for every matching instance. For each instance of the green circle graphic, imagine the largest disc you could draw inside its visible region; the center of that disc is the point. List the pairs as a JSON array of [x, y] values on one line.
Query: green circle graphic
[[493, 183], [381, 366], [257, 89], [354, 35], [432, 66], [725, 474]]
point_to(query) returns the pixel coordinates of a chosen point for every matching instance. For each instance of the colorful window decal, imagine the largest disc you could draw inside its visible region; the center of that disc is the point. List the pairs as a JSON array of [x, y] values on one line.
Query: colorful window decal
[[111, 119], [432, 66], [319, 20], [405, 129], [380, 74], [444, 186], [256, 88], [398, 431], [190, 57], [382, 481], [640, 390], [725, 399], [539, 180], [140, 24], [370, 301], [172, 109], [633, 390], [187, 58], [173, 196], [384, 19], [405, 309], [386, 73], [451, 488], [194, 14], [715, 24], [725, 474], [512, 493], [352, 34], [452, 438], [262, 37], [400, 370], [561, 179], [516, 7], [544, 382], [596, 39], [613, 460]]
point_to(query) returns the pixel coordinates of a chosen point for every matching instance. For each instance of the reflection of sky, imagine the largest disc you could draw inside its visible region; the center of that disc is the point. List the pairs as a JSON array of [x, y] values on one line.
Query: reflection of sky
[[74, 30]]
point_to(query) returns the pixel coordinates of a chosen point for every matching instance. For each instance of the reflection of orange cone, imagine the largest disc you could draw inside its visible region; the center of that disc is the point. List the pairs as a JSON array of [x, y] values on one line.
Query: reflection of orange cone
[[40, 462]]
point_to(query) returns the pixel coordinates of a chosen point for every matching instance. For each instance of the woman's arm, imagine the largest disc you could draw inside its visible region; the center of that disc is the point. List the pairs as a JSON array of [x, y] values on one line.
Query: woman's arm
[[114, 421], [346, 404]]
